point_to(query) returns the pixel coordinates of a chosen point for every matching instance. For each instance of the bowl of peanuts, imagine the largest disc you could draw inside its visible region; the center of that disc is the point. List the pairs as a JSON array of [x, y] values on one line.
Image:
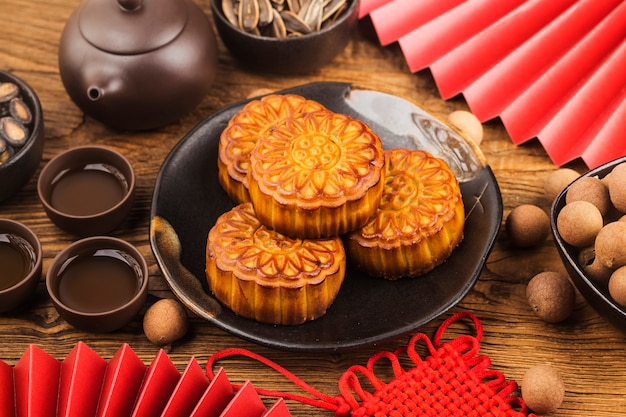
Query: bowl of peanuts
[[588, 222], [285, 37], [21, 134]]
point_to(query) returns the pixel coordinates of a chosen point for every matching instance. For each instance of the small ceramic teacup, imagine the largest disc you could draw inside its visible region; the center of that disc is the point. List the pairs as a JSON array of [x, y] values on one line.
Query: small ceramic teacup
[[98, 284], [88, 190], [20, 263]]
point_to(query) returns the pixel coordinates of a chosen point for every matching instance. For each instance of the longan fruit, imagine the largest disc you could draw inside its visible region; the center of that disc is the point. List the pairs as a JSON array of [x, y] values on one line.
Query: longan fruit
[[468, 123], [579, 222], [590, 189], [259, 92], [592, 267], [557, 180], [165, 322], [551, 296], [527, 225], [610, 245], [617, 187], [617, 286], [543, 389]]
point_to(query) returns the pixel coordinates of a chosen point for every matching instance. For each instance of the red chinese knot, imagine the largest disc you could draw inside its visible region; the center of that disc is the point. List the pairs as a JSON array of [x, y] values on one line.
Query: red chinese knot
[[452, 381]]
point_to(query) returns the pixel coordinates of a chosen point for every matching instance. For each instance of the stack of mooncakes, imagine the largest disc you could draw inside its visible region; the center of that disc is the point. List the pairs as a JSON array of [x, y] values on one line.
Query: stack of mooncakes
[[309, 180]]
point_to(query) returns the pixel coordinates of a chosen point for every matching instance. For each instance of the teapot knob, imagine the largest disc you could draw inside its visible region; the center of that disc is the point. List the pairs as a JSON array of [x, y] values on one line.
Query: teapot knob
[[130, 5]]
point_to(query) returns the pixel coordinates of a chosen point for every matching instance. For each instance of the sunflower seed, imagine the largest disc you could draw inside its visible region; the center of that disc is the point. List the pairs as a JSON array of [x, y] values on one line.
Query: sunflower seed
[[4, 152], [311, 13], [331, 8], [20, 111], [294, 23], [278, 25], [265, 12], [13, 132], [332, 17], [230, 9], [8, 91], [248, 14]]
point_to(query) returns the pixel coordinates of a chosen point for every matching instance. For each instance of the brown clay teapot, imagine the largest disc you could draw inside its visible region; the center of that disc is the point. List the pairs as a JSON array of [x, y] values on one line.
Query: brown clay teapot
[[137, 64]]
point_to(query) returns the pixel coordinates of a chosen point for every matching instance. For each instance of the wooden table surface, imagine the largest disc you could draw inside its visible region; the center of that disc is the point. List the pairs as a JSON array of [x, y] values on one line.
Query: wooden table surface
[[585, 349]]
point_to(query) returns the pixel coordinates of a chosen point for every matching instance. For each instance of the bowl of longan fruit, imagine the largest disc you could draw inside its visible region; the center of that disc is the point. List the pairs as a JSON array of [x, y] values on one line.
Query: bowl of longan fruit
[[588, 221]]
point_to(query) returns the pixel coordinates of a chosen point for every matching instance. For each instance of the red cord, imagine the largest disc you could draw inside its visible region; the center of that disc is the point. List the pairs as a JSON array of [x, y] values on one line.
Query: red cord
[[453, 380], [318, 398]]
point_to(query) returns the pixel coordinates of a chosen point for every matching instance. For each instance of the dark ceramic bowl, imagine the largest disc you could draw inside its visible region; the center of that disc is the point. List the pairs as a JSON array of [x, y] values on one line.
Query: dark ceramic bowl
[[71, 299], [20, 239], [23, 160], [84, 216], [287, 55], [594, 292]]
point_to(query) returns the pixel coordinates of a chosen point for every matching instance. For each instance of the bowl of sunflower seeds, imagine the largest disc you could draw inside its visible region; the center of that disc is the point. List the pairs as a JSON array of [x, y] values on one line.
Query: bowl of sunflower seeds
[[285, 36], [21, 134]]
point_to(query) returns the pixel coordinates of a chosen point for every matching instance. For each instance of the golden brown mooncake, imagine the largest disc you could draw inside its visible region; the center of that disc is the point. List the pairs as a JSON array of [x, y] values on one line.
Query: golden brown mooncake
[[242, 131], [268, 277], [316, 174], [419, 222]]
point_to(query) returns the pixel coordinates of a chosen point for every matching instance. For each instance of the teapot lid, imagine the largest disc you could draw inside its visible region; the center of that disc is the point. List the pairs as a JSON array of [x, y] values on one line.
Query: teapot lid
[[127, 27]]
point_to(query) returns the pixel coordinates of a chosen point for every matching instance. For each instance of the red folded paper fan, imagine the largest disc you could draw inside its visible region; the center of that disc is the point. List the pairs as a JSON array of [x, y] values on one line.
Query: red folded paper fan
[[550, 69], [453, 381], [84, 384]]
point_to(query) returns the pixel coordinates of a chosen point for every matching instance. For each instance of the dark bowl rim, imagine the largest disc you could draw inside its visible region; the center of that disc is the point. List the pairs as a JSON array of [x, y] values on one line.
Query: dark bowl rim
[[218, 13], [66, 154], [104, 242]]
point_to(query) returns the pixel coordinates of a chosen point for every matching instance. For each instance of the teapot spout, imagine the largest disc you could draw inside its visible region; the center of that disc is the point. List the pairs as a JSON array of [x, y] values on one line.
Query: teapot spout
[[94, 93], [99, 84]]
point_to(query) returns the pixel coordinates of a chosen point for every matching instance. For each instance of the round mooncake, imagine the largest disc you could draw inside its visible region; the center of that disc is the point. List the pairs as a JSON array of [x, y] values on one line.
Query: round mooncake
[[419, 222], [268, 277], [242, 131], [316, 174]]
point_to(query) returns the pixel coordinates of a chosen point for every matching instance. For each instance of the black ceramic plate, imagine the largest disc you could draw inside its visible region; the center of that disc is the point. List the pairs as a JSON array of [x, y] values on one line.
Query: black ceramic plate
[[188, 199]]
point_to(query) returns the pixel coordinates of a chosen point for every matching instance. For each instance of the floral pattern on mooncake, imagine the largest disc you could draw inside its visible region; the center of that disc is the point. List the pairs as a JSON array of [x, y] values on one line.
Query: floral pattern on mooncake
[[419, 221], [242, 132], [269, 277], [316, 174]]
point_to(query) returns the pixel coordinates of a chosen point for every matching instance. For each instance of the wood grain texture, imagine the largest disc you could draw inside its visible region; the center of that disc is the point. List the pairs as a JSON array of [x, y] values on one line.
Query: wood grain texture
[[588, 351]]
